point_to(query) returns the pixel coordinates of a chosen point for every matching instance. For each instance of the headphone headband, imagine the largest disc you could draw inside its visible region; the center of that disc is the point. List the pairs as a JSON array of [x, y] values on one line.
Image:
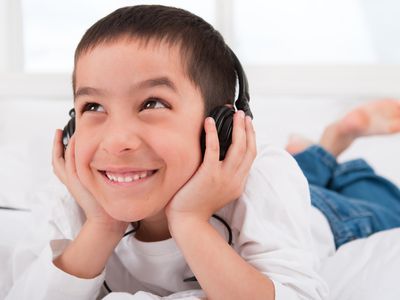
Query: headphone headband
[[243, 99]]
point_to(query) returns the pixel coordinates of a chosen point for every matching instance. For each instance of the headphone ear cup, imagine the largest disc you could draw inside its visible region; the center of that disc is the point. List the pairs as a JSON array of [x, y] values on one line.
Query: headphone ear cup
[[223, 116], [68, 131]]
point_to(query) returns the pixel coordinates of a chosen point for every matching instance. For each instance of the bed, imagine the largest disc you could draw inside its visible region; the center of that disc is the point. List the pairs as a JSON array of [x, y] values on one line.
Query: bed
[[26, 132]]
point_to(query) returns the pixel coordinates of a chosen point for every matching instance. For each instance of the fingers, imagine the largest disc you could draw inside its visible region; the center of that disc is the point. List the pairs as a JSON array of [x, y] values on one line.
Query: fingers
[[241, 152], [70, 166], [63, 161], [58, 160], [211, 155], [251, 147], [238, 147]]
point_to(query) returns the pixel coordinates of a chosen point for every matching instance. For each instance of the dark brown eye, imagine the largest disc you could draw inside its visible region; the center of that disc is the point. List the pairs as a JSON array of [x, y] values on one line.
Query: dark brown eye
[[92, 107], [154, 103]]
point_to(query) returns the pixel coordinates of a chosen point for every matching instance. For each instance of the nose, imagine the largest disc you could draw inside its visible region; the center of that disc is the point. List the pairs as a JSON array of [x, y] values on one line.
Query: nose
[[121, 136]]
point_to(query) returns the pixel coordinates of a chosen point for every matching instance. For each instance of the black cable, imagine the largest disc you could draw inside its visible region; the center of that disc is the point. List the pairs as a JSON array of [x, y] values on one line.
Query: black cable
[[135, 225], [227, 227], [107, 287]]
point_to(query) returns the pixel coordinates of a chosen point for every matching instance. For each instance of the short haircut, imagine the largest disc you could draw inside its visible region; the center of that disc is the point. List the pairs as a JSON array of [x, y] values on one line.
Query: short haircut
[[207, 60]]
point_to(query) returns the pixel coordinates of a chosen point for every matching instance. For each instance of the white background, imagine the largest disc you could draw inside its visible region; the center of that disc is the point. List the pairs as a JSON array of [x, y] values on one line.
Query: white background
[[344, 48]]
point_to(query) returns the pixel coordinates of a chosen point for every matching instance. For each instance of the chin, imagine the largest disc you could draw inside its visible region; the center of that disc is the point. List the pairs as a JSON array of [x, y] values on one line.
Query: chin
[[127, 213], [126, 216]]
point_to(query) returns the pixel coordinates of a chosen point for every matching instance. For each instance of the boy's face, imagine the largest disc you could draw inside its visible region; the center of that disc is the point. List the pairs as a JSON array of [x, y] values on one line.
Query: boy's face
[[138, 125]]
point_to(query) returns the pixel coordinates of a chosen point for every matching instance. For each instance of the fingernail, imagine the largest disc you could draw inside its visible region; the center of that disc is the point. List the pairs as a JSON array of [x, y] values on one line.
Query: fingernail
[[241, 114]]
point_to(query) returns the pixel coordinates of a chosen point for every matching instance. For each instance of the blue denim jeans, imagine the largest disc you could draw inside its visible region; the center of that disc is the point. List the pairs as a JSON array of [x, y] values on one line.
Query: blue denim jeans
[[355, 200]]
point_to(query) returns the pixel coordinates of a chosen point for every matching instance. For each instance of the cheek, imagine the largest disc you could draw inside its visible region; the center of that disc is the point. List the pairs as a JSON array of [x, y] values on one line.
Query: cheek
[[181, 154]]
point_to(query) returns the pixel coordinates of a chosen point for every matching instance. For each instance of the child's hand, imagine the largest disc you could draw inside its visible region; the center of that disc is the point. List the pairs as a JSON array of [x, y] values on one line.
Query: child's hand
[[65, 169], [99, 234], [216, 183]]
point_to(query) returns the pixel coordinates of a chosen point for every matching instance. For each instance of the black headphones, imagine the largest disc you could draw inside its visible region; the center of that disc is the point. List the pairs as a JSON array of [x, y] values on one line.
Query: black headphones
[[69, 129], [223, 115]]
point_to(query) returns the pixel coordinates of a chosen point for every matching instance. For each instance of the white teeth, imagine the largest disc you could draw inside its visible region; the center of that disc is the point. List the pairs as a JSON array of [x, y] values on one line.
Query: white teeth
[[131, 178], [128, 179]]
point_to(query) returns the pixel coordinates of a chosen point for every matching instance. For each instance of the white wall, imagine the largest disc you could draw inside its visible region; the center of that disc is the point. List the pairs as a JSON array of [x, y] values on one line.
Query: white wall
[[384, 23], [343, 81], [11, 37]]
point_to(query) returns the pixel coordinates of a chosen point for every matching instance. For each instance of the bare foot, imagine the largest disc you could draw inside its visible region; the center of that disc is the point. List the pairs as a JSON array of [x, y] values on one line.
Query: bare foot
[[297, 143], [373, 118], [378, 117]]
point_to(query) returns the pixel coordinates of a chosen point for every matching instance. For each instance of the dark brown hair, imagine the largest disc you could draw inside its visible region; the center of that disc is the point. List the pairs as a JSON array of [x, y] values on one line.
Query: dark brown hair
[[206, 58]]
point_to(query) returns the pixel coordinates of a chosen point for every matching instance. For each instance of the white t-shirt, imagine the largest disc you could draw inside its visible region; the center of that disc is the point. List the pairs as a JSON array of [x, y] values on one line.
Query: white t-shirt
[[322, 235], [271, 230]]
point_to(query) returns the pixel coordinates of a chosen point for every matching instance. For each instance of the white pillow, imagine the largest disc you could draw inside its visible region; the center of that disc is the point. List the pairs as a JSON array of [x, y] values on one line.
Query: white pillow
[[26, 136]]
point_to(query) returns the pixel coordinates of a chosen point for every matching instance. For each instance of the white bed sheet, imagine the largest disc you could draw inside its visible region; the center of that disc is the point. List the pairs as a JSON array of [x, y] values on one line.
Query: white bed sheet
[[366, 268], [363, 269]]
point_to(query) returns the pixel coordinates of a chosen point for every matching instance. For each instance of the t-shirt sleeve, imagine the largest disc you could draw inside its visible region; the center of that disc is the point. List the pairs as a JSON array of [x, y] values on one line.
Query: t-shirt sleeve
[[44, 280], [33, 273], [272, 225]]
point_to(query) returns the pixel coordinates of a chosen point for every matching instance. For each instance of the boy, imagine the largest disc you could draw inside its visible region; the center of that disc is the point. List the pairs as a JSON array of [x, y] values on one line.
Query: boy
[[145, 78]]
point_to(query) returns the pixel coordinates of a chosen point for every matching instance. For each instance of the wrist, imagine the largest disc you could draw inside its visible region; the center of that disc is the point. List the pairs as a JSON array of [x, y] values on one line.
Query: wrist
[[186, 223], [110, 228], [78, 258], [177, 215]]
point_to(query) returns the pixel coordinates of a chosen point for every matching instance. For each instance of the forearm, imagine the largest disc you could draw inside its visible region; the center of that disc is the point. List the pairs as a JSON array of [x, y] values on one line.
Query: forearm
[[221, 272], [87, 255]]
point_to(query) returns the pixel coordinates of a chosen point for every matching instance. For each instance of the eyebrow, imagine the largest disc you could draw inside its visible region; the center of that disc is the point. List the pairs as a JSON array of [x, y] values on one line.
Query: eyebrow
[[88, 91], [148, 83], [159, 81]]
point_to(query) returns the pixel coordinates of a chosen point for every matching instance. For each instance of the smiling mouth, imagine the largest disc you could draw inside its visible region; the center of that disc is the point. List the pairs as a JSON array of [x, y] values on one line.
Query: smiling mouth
[[129, 177]]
